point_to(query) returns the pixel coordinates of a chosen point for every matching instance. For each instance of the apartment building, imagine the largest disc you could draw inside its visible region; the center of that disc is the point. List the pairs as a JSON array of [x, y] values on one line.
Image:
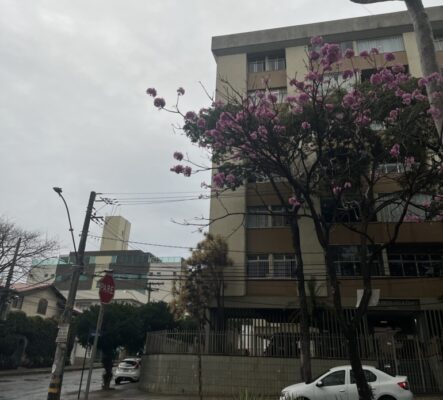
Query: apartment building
[[409, 275]]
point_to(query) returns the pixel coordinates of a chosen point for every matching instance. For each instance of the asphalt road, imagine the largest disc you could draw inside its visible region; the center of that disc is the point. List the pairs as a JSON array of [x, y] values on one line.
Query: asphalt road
[[35, 387]]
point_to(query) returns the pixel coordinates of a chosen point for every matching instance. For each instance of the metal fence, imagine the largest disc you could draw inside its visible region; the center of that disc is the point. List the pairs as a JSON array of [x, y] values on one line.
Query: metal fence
[[421, 361]]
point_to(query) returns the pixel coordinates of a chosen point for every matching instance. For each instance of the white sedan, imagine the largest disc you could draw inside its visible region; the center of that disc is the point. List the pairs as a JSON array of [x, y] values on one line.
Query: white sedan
[[339, 384]]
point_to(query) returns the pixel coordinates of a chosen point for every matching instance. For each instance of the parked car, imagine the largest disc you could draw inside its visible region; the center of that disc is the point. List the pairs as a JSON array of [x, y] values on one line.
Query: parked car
[[339, 384], [128, 370]]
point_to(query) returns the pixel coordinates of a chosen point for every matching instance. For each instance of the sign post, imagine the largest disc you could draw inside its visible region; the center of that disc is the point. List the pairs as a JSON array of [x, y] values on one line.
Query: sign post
[[106, 293]]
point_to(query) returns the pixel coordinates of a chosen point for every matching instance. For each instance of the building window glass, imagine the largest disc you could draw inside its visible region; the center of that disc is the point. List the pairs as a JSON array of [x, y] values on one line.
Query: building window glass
[[417, 209], [264, 217], [347, 211], [438, 42], [347, 262], [270, 62], [17, 302], [410, 260], [382, 44], [258, 265], [284, 265], [42, 306]]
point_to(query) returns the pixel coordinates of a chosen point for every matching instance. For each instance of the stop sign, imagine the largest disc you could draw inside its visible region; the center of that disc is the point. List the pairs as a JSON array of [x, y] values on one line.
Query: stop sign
[[107, 289]]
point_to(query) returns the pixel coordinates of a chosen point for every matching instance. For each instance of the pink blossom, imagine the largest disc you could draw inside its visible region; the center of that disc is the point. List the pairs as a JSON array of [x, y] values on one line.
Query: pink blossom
[[230, 178], [297, 110], [178, 156], [279, 129], [190, 116], [407, 98], [364, 54], [395, 150], [376, 79], [316, 41], [393, 114], [152, 92], [313, 55], [409, 161], [329, 107], [347, 74], [312, 76], [291, 99], [253, 135], [272, 98], [422, 82], [336, 190], [389, 57], [187, 171], [219, 179], [159, 102], [293, 201], [374, 50], [349, 53], [262, 131], [305, 125], [201, 123], [362, 120], [434, 112], [178, 169], [303, 98], [180, 91]]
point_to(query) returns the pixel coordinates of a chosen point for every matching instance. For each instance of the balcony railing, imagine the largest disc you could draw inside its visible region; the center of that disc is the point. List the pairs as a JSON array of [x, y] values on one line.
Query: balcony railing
[[266, 269]]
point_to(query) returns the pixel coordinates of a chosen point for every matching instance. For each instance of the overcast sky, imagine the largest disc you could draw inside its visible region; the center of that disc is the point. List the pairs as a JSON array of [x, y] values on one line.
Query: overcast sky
[[74, 113]]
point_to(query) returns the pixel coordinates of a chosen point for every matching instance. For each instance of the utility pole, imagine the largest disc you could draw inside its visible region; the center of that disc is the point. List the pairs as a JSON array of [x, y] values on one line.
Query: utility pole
[[151, 289], [55, 384], [4, 305]]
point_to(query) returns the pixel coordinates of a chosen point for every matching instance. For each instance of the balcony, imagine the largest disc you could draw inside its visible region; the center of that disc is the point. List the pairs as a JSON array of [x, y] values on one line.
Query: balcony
[[264, 269]]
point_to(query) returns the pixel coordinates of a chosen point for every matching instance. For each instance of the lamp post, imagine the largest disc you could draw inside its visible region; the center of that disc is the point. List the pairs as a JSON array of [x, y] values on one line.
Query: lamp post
[[55, 384]]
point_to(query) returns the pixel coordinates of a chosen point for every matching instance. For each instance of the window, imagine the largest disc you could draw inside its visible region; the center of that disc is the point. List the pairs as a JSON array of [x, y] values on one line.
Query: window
[[334, 378], [265, 266], [264, 217], [258, 265], [393, 211], [347, 211], [410, 260], [383, 44], [370, 377], [284, 265], [347, 262], [438, 41], [42, 306], [275, 61], [17, 302]]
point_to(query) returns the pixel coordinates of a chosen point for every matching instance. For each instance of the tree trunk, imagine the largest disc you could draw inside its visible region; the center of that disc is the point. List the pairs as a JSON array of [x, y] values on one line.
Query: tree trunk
[[305, 350], [426, 49], [107, 361], [364, 390]]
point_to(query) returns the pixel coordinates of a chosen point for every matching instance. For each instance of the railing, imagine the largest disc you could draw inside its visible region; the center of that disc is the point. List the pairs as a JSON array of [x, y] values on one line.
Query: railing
[[276, 269], [421, 361], [270, 344]]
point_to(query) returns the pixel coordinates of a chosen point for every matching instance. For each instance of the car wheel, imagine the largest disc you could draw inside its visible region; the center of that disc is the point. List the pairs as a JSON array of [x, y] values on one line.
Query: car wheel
[[387, 398], [118, 381]]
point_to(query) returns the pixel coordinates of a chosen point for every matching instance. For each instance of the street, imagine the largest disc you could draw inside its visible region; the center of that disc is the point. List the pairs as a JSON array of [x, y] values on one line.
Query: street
[[35, 387]]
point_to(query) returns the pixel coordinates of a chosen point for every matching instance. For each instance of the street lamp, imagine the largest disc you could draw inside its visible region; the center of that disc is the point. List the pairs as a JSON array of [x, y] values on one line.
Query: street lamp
[[58, 190]]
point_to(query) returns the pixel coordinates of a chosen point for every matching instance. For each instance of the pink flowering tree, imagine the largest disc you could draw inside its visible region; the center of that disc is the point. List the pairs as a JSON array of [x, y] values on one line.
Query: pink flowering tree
[[428, 58], [336, 139]]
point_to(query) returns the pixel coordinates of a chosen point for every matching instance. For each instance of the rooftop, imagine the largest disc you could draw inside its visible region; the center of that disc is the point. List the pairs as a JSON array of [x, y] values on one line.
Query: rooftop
[[334, 31]]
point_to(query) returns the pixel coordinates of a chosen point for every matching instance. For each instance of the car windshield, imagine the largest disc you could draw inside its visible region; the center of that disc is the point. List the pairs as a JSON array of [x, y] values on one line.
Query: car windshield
[[128, 363]]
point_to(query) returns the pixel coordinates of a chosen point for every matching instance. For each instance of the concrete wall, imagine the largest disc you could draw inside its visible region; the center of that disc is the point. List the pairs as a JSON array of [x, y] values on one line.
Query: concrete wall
[[116, 227], [224, 375]]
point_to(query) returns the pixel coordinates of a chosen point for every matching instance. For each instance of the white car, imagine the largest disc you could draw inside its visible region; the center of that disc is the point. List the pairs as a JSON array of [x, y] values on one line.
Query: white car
[[339, 384], [127, 370]]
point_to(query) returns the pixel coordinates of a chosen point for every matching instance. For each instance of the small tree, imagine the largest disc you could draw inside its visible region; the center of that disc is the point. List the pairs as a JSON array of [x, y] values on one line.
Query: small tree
[[33, 245], [334, 138]]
